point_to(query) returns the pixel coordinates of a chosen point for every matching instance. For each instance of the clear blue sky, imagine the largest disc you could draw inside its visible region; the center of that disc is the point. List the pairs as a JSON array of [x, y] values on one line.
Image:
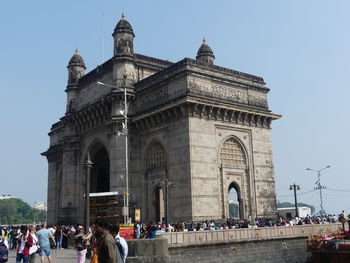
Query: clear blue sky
[[301, 48]]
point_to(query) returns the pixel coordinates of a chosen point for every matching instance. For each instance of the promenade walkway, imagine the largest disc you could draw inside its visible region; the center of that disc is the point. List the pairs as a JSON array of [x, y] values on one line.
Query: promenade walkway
[[59, 256]]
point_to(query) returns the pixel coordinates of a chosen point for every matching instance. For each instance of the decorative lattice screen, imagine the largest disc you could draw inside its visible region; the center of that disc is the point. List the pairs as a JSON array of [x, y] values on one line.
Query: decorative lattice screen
[[231, 153], [155, 157]]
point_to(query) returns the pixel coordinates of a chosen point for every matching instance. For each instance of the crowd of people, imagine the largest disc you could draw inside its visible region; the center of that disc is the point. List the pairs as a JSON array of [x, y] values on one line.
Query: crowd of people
[[103, 240], [106, 244], [149, 230]]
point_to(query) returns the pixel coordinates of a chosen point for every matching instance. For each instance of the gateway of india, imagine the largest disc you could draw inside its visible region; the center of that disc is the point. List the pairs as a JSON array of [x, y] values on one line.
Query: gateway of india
[[205, 128]]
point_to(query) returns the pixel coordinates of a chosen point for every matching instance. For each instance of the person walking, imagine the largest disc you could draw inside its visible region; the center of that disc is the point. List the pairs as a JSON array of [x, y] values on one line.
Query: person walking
[[122, 246], [58, 237], [25, 241], [93, 242], [65, 235], [80, 244], [14, 235], [4, 250], [44, 236], [4, 239], [106, 248], [9, 238], [34, 248]]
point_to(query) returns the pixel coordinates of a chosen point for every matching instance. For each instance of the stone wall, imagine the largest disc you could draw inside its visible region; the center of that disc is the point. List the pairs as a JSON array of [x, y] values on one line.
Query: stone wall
[[148, 250], [269, 251], [181, 239], [289, 250], [262, 245]]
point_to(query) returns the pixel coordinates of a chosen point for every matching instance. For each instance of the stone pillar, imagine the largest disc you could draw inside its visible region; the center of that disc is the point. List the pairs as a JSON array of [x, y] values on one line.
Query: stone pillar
[[70, 183], [52, 190], [161, 204]]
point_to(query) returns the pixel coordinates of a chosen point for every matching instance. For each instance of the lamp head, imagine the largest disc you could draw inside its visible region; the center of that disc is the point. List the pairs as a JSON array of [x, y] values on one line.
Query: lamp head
[[87, 161]]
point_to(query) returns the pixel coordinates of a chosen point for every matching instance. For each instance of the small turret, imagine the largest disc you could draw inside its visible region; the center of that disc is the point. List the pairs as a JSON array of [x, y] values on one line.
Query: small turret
[[205, 53], [123, 38], [124, 60], [76, 69]]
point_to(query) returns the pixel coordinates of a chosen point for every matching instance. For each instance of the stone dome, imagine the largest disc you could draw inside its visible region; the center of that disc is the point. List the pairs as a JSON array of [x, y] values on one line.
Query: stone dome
[[76, 60], [123, 26], [205, 50]]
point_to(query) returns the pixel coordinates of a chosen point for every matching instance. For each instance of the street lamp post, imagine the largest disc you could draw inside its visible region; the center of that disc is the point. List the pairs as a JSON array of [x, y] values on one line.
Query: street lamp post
[[318, 184], [88, 165], [295, 188], [125, 133]]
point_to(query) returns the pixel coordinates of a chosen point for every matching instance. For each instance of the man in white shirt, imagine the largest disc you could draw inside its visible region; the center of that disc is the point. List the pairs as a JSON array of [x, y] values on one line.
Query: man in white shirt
[[138, 230], [121, 245]]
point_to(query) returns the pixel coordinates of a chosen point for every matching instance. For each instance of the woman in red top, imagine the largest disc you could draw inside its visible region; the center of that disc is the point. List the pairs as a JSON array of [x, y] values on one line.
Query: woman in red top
[[25, 241]]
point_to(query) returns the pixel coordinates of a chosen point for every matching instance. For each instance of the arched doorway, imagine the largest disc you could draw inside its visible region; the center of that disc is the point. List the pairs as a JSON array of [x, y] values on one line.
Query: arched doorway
[[234, 202], [234, 166], [156, 172], [99, 178]]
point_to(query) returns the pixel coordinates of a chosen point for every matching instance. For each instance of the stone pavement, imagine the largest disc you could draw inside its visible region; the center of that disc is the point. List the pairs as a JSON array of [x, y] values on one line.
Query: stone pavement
[[59, 256]]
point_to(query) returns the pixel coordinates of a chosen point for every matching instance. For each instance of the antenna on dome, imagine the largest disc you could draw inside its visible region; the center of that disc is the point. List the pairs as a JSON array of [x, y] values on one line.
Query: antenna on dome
[[103, 39]]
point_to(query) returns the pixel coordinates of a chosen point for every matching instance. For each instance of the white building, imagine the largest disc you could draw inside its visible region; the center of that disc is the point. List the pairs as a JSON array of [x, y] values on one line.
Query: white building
[[40, 206], [289, 212], [2, 197]]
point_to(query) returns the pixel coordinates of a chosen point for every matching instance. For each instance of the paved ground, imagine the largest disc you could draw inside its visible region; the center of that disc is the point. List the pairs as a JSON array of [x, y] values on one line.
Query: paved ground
[[59, 256]]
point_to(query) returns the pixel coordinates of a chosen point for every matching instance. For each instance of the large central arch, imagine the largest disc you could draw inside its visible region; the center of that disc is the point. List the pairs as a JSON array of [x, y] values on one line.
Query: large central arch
[[100, 174]]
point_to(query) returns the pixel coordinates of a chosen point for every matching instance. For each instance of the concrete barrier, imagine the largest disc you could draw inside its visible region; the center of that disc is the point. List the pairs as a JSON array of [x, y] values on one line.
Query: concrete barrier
[[249, 245], [148, 250], [176, 239]]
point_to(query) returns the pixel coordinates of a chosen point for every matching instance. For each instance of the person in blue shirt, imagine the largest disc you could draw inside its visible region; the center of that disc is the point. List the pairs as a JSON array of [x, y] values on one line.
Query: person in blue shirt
[[44, 236]]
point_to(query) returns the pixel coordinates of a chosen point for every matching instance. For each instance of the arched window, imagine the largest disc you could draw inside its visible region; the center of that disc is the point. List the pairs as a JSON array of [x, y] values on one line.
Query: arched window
[[155, 157], [232, 153]]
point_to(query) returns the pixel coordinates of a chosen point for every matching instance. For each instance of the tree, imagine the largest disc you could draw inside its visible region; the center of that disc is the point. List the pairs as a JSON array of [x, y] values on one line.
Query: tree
[[16, 211], [8, 207]]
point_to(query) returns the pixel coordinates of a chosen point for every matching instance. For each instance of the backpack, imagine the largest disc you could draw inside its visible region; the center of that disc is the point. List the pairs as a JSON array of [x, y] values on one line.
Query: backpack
[[4, 252]]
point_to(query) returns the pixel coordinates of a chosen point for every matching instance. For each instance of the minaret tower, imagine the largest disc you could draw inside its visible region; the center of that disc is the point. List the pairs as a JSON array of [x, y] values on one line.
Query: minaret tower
[[76, 69], [205, 53], [124, 60]]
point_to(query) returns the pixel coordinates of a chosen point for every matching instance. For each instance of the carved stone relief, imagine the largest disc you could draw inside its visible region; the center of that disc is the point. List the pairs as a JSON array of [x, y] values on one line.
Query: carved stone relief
[[233, 93]]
